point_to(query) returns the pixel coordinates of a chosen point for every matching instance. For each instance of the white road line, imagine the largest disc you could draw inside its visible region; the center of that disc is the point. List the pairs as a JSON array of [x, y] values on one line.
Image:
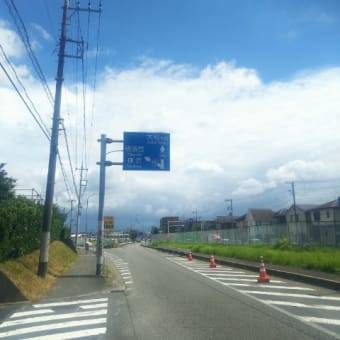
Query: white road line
[[324, 321], [69, 303], [220, 272], [231, 275], [235, 284], [267, 286], [243, 280], [73, 335], [284, 287], [30, 313], [53, 317], [305, 296], [66, 324], [98, 305], [302, 305]]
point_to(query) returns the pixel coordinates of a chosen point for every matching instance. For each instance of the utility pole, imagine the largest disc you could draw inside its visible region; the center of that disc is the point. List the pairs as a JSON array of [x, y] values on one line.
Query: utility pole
[[230, 207], [294, 203], [48, 206], [81, 185], [71, 217]]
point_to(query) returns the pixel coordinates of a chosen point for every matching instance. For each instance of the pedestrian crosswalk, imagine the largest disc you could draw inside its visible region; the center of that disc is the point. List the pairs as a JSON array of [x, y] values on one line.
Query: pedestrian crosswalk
[[85, 319], [300, 301], [123, 269]]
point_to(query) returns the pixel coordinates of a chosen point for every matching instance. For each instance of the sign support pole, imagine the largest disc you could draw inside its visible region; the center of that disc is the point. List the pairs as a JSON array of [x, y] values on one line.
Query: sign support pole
[[102, 174]]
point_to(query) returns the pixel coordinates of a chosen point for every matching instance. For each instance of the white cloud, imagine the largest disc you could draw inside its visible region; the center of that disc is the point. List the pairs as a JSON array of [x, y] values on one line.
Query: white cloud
[[251, 187], [304, 170], [44, 34], [10, 41], [230, 134]]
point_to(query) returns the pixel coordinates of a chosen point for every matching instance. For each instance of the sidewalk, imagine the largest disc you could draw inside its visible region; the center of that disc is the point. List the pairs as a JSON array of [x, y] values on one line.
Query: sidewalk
[[81, 280]]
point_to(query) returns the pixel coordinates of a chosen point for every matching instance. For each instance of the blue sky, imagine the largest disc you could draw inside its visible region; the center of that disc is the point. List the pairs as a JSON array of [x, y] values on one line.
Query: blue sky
[[277, 38], [248, 91]]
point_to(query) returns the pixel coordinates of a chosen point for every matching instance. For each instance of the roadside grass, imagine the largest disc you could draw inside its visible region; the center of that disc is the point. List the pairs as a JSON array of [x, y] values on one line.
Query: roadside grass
[[325, 259], [23, 271]]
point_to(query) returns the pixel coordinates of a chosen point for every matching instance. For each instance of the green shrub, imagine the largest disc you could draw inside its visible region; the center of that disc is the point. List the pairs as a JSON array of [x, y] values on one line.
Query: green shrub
[[283, 244]]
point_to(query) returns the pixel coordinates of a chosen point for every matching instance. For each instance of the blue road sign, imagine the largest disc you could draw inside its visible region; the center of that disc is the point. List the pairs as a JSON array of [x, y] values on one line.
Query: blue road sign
[[146, 151]]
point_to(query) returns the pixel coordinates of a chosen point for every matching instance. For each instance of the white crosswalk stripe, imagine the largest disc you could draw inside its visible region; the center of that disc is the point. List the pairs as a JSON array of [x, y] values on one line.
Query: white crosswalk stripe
[[302, 302], [123, 269], [58, 320]]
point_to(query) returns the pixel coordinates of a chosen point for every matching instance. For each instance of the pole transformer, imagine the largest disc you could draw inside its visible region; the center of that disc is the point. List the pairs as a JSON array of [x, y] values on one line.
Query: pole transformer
[[48, 207]]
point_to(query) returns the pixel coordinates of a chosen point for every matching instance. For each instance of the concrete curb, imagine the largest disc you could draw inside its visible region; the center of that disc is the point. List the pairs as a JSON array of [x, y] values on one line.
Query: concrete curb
[[289, 273], [117, 284]]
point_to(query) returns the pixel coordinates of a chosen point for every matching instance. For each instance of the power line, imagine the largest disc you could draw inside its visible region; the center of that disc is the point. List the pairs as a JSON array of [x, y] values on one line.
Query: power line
[[69, 159], [40, 124], [22, 31]]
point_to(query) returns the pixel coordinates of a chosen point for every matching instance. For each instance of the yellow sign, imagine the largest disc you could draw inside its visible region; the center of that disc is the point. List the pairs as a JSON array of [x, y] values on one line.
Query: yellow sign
[[108, 222]]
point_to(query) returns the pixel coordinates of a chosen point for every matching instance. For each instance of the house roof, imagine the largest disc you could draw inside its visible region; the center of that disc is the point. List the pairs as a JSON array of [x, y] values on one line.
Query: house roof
[[303, 207], [281, 212], [261, 214], [226, 219], [331, 204]]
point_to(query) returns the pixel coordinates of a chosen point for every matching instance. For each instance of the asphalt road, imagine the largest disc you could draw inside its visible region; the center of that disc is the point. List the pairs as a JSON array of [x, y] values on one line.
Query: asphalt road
[[170, 299]]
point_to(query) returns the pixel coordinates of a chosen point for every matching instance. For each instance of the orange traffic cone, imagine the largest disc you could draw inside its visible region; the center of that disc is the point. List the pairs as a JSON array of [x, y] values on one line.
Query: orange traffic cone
[[263, 277], [190, 256], [212, 262]]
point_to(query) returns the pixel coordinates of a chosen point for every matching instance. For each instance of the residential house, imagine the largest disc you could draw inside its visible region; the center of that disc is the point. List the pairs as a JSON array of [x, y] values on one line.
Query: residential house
[[326, 218], [299, 223], [280, 216], [241, 222], [226, 222], [256, 219]]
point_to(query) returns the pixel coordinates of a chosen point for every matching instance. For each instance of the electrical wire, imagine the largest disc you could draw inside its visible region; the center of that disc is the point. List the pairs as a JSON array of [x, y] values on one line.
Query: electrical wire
[[41, 125], [22, 31], [69, 159]]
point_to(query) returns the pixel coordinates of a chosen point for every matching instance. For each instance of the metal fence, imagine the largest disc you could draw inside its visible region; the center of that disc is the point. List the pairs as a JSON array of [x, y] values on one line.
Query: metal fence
[[300, 234]]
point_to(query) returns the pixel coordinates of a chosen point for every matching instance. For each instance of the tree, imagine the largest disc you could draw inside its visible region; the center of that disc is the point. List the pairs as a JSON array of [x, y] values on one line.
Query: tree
[[154, 230], [58, 220], [20, 225], [7, 184], [133, 235]]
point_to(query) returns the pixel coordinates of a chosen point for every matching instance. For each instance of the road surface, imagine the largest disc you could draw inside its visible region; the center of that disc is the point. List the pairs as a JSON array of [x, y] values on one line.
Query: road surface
[[169, 297], [172, 298]]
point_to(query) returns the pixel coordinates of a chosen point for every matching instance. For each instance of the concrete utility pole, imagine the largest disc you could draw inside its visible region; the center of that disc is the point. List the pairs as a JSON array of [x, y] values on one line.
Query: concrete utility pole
[[48, 207], [81, 185], [293, 193], [230, 207]]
